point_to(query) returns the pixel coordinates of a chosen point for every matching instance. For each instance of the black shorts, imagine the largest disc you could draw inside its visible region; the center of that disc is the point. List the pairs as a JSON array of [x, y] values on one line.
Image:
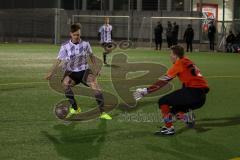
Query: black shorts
[[185, 99], [78, 77]]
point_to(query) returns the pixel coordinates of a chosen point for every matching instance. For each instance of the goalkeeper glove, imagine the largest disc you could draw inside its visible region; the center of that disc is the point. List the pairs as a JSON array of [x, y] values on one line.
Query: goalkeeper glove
[[139, 93]]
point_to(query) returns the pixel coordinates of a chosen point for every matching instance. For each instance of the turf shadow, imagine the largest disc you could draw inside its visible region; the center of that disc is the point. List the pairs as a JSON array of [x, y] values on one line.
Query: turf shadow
[[112, 65], [140, 105], [75, 144], [204, 125], [191, 147]]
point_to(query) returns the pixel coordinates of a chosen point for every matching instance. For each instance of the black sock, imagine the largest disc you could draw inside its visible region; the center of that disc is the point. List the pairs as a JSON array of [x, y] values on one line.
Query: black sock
[[70, 95], [100, 101], [104, 57]]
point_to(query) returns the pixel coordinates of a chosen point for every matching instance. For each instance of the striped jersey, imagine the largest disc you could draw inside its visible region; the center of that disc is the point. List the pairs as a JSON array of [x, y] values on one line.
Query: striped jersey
[[75, 56], [105, 33]]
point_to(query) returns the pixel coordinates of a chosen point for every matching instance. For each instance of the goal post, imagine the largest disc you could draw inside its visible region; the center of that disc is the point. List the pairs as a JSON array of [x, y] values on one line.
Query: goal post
[[91, 24]]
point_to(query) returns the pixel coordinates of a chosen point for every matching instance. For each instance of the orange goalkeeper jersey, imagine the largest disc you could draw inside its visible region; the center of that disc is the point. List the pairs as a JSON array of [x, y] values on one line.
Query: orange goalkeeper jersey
[[188, 73]]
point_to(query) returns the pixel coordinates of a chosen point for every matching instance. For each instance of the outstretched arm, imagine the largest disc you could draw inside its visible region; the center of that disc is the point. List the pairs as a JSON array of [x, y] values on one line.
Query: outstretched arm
[[99, 36], [159, 84], [171, 73], [93, 60], [140, 92], [99, 33]]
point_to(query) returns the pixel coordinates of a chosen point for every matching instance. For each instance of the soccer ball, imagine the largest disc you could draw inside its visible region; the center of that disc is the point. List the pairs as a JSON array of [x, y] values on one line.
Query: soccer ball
[[61, 111]]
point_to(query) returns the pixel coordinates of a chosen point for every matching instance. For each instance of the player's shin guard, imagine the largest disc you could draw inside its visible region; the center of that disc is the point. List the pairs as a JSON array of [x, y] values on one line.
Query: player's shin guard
[[166, 115], [100, 101], [70, 95]]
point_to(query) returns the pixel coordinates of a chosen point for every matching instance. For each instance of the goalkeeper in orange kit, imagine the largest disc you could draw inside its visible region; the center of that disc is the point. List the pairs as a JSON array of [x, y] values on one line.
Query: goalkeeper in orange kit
[[181, 102]]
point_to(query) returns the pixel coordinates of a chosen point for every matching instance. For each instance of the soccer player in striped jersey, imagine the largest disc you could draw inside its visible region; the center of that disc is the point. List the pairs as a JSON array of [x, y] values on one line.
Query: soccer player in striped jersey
[[72, 57], [105, 37], [182, 101]]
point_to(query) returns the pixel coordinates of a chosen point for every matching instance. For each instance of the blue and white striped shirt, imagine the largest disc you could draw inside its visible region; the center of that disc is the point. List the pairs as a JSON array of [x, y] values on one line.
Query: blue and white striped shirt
[[106, 33], [75, 56]]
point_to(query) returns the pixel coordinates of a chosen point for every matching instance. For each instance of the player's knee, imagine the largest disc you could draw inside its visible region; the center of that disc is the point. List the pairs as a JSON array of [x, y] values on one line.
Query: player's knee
[[65, 85], [94, 86], [91, 82]]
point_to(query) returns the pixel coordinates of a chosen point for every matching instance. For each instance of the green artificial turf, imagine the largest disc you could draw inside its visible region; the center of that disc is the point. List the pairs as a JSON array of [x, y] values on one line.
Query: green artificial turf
[[29, 129]]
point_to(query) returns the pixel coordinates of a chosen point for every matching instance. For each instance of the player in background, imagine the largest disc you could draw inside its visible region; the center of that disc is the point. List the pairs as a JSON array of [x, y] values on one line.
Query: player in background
[[158, 30], [169, 34], [73, 57], [105, 37], [211, 35], [178, 103], [175, 31], [188, 37]]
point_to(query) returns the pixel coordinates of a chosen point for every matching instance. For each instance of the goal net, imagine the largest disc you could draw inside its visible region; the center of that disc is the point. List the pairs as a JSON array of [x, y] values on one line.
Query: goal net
[[224, 28]]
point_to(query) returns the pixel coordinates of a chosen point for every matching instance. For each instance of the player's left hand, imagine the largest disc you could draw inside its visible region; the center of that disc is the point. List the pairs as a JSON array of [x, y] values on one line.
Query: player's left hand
[[139, 93]]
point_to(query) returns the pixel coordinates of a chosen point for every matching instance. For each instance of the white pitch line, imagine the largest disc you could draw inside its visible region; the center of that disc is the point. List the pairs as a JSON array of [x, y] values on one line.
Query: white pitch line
[[223, 76], [100, 80], [22, 83]]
